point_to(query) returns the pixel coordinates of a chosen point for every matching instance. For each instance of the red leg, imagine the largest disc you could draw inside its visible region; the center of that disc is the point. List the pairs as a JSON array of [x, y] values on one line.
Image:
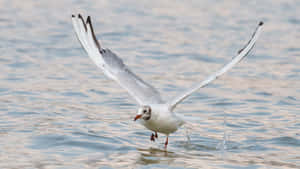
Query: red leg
[[167, 141], [152, 137]]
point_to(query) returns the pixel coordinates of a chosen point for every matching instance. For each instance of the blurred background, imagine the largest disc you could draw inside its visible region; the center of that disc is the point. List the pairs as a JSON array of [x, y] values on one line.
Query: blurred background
[[58, 110]]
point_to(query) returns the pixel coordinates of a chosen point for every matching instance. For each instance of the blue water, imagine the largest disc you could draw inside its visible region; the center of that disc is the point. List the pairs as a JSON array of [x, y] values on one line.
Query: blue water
[[58, 110]]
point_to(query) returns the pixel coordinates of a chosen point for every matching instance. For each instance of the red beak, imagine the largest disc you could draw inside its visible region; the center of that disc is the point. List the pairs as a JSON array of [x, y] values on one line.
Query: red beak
[[137, 117]]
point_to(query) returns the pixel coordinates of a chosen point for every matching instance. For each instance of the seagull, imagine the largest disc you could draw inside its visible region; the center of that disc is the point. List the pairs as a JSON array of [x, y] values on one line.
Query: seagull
[[154, 113]]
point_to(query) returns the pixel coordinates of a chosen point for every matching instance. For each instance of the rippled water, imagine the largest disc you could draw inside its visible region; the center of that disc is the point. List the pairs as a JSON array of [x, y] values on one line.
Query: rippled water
[[59, 111]]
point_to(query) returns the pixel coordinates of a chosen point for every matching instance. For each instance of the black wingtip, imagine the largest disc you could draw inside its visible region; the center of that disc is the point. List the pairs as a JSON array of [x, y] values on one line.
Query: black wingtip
[[89, 23], [73, 16], [81, 18], [261, 23], [88, 20]]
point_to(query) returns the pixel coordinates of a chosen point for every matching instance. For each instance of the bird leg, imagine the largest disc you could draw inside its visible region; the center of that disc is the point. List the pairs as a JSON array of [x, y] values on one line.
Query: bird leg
[[152, 138], [166, 143]]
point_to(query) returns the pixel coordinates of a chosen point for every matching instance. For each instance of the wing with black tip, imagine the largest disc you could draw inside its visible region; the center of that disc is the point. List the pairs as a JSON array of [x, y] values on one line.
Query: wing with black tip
[[241, 54], [112, 65]]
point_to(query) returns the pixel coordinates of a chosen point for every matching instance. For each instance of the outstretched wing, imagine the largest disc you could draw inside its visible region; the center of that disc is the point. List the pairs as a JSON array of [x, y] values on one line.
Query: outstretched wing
[[112, 65], [241, 54]]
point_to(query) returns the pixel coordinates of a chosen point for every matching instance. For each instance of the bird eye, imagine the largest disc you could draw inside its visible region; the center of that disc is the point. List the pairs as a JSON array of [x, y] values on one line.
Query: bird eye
[[144, 111]]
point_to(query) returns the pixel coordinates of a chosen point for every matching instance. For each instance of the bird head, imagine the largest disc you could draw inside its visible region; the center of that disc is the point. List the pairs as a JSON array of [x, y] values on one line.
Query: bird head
[[144, 112]]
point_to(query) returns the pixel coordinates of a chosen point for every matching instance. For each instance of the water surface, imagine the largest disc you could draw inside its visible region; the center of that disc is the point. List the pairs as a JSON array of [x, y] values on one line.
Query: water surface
[[59, 111]]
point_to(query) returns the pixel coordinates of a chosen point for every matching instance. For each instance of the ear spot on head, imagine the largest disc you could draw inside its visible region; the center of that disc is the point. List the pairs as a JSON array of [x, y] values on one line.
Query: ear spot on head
[[146, 109], [146, 113]]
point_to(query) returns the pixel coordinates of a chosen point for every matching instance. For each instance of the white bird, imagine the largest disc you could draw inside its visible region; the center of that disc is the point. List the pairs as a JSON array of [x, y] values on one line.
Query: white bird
[[154, 113]]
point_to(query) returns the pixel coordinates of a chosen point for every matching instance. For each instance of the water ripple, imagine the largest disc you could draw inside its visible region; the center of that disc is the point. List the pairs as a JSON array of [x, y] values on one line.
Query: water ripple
[[58, 110]]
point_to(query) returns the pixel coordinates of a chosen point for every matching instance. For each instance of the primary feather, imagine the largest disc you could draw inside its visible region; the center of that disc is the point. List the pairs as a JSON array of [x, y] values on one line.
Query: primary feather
[[112, 65]]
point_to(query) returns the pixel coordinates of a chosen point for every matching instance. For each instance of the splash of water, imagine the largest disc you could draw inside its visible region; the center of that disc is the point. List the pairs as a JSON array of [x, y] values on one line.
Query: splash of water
[[187, 134], [223, 144]]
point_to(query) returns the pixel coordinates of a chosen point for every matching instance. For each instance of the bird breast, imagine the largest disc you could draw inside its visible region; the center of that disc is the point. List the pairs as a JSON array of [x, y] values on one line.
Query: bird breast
[[165, 123]]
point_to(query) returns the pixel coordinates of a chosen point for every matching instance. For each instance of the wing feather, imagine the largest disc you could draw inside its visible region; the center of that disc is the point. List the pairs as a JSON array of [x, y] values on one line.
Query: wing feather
[[112, 65], [241, 54]]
